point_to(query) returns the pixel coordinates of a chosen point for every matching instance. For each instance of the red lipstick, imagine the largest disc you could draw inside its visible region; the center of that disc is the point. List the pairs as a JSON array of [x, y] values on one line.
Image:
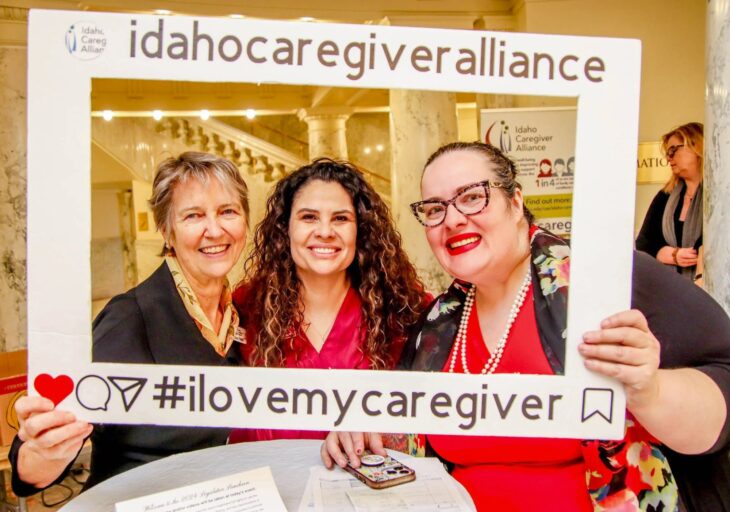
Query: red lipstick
[[462, 243]]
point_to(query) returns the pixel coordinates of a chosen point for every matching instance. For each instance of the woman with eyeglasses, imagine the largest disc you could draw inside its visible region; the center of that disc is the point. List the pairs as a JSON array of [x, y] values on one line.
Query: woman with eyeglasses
[[672, 228], [506, 312]]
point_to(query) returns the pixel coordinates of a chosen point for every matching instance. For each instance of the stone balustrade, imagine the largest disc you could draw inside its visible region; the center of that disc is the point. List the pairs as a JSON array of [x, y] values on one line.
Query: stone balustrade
[[251, 154]]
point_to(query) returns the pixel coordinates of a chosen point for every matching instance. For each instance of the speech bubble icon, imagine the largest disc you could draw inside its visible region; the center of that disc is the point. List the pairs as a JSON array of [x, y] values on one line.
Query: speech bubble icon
[[597, 402], [93, 393]]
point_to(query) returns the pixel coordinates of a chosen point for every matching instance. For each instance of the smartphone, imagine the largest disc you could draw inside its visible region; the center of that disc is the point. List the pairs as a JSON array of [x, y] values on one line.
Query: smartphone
[[380, 472]]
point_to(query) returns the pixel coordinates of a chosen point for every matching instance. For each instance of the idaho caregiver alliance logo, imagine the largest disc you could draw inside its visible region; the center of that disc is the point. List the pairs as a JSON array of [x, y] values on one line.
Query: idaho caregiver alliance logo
[[85, 41], [502, 139]]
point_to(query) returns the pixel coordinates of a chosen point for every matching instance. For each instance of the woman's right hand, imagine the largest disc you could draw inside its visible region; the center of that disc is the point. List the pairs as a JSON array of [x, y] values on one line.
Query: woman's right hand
[[339, 447], [51, 440], [686, 257]]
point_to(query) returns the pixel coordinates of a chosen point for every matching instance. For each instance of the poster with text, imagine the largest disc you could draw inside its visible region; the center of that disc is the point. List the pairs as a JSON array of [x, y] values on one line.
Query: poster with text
[[541, 142]]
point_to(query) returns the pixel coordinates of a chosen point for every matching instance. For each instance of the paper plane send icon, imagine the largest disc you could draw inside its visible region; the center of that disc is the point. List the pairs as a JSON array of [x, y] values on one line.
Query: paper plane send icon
[[129, 388]]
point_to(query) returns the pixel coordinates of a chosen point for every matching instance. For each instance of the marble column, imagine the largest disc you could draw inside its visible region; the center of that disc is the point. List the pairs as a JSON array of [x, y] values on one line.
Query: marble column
[[13, 321], [420, 122], [129, 254], [327, 131], [716, 187]]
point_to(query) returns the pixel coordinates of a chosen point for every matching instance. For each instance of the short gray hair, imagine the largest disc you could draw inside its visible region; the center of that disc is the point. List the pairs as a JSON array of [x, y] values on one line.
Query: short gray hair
[[192, 165]]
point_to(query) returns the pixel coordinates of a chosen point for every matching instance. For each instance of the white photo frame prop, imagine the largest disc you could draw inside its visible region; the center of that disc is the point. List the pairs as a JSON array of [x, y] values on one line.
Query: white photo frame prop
[[67, 49]]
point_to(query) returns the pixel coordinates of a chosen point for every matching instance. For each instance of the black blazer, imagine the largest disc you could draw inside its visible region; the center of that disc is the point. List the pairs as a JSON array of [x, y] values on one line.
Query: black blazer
[[146, 325]]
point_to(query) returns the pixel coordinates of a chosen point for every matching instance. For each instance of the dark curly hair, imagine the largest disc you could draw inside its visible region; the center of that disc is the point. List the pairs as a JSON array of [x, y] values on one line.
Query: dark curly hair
[[390, 290]]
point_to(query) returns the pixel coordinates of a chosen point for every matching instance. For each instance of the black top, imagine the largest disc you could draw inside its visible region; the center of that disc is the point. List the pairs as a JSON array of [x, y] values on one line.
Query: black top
[[651, 236], [147, 325], [694, 331]]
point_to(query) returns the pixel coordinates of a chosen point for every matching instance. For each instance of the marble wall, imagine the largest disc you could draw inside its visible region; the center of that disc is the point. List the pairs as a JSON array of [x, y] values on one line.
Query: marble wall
[[717, 154], [415, 133], [107, 268], [13, 323]]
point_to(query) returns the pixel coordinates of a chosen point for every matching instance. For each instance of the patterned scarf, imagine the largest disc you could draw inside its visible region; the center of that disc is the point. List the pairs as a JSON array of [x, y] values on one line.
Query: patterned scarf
[[627, 475], [226, 335]]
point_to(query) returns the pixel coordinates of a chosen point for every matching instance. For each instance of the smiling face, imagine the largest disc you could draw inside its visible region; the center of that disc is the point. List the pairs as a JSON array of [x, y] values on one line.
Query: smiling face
[[207, 230], [685, 162], [322, 229], [471, 247]]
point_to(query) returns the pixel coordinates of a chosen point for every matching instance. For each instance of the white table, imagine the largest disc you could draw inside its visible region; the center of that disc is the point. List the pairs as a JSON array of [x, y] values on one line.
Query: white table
[[289, 460]]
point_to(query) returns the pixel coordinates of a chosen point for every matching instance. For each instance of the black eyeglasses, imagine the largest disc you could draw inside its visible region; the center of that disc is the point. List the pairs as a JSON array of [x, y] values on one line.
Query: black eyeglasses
[[672, 150], [470, 201]]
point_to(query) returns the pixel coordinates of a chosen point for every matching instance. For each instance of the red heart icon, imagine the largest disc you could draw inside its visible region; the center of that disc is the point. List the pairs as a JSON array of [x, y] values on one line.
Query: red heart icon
[[54, 388]]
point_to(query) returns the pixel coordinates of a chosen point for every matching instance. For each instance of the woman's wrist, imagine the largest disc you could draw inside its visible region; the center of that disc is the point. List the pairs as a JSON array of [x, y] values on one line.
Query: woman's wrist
[[674, 255]]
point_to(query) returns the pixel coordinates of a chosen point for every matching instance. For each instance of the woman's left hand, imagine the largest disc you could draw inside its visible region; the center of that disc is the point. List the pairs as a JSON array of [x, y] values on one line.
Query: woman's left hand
[[625, 349]]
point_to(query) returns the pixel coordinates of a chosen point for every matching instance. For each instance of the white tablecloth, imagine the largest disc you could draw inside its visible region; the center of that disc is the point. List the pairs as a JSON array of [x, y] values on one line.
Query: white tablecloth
[[289, 460]]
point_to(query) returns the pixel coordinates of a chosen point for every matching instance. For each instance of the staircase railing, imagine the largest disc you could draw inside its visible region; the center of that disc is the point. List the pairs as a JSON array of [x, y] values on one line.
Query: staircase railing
[[251, 154]]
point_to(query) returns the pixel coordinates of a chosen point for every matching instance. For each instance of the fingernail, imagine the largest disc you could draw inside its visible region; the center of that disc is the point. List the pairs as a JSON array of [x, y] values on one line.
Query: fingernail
[[358, 451]]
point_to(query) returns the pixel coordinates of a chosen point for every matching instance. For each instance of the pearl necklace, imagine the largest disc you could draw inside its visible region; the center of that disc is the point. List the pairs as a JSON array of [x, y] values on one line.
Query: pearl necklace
[[496, 356]]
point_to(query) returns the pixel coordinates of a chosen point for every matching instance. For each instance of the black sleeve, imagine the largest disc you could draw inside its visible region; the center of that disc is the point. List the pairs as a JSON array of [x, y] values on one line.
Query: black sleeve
[[119, 336], [693, 329], [23, 489], [650, 238], [119, 333]]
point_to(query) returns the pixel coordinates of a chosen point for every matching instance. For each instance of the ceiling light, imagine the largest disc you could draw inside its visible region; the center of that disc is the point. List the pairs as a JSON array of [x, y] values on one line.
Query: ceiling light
[[107, 115], [306, 18], [157, 114], [250, 113], [236, 16], [379, 148], [367, 150], [163, 12], [204, 115]]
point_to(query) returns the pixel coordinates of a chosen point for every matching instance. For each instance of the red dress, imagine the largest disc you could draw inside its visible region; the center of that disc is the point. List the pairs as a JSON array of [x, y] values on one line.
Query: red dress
[[510, 473], [341, 350]]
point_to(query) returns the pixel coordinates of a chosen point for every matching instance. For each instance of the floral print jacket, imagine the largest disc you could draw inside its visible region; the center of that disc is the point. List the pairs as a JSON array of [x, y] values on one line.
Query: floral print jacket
[[628, 475]]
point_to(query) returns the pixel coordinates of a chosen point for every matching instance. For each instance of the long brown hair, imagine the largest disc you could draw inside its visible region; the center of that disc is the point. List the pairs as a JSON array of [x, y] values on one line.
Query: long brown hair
[[390, 290]]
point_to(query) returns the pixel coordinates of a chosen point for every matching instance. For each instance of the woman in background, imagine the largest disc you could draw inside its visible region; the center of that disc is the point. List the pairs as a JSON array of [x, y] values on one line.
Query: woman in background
[[182, 314], [329, 284], [672, 228]]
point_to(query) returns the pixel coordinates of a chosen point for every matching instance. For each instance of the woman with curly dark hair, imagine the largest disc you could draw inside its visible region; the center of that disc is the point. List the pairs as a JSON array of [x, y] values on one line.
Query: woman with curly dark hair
[[329, 284]]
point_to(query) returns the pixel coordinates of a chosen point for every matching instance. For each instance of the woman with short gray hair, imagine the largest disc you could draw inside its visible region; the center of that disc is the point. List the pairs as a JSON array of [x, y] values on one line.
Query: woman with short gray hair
[[181, 315]]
